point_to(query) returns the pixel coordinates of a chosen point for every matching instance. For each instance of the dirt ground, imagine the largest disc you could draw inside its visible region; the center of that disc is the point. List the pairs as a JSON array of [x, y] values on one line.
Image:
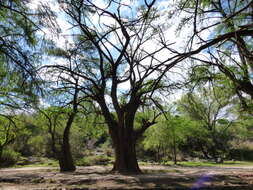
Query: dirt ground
[[153, 177]]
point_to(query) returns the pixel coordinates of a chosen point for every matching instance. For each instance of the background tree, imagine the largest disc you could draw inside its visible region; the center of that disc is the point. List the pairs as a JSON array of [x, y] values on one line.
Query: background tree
[[210, 107], [67, 104], [166, 137]]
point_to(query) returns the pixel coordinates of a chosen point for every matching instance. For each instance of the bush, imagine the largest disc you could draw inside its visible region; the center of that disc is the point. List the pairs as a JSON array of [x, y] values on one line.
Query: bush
[[9, 158], [241, 154], [93, 160]]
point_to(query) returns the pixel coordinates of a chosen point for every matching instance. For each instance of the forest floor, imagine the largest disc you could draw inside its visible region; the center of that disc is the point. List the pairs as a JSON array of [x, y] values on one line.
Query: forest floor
[[153, 177]]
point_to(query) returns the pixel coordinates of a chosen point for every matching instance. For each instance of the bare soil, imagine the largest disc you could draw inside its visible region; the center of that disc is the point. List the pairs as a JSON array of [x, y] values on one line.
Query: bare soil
[[153, 177]]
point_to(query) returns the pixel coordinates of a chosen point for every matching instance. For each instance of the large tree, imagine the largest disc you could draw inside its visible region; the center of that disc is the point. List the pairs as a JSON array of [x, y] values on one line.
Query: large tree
[[116, 69], [122, 56]]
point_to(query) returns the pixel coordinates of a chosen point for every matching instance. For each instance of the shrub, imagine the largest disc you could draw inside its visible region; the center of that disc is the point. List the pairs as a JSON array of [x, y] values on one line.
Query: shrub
[[241, 154], [9, 158], [93, 160]]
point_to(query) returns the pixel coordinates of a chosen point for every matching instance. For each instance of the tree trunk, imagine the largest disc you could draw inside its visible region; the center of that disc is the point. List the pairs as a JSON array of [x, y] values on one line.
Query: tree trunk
[[125, 153], [53, 145], [204, 152], [174, 147], [65, 157], [1, 152], [158, 153], [174, 154]]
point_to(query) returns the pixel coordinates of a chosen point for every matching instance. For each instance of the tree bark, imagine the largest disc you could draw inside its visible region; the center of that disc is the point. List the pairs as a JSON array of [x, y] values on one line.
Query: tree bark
[[125, 153], [123, 134], [65, 157]]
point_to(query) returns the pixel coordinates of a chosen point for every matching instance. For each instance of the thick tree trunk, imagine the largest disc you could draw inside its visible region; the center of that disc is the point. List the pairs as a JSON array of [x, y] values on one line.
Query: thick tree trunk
[[122, 132], [125, 153]]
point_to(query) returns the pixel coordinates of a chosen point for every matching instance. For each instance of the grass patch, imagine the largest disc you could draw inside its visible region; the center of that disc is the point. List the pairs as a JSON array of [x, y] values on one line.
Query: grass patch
[[49, 164], [210, 164], [41, 162], [150, 171], [94, 160]]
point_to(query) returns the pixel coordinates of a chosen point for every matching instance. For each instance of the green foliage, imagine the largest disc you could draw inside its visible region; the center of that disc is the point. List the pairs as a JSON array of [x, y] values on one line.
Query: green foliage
[[94, 160], [9, 158], [58, 52], [243, 154], [17, 56], [37, 145], [31, 138], [170, 132], [8, 131], [213, 131]]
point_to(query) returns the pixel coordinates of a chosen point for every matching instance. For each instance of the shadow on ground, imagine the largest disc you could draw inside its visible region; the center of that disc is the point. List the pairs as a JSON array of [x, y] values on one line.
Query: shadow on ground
[[153, 177]]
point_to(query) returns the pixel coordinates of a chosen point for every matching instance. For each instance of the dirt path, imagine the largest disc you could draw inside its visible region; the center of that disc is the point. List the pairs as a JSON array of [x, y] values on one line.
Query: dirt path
[[154, 176]]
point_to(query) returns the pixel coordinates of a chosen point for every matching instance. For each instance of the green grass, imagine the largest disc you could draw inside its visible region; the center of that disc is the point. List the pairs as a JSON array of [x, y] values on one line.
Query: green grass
[[54, 163], [50, 164], [43, 163], [210, 164]]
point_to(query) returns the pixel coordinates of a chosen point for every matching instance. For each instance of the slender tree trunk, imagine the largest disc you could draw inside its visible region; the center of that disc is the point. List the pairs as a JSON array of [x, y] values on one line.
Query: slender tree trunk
[[1, 152], [215, 155], [65, 157], [53, 145], [174, 153], [174, 146], [205, 153], [158, 153], [125, 153]]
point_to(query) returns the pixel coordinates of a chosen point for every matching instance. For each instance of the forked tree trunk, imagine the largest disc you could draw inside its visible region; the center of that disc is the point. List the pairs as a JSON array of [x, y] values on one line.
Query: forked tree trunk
[[123, 134], [125, 153]]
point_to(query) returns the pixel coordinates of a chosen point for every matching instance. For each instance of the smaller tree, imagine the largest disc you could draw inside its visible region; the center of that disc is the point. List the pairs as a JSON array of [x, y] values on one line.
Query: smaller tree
[[51, 119], [166, 136], [63, 154], [210, 108]]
